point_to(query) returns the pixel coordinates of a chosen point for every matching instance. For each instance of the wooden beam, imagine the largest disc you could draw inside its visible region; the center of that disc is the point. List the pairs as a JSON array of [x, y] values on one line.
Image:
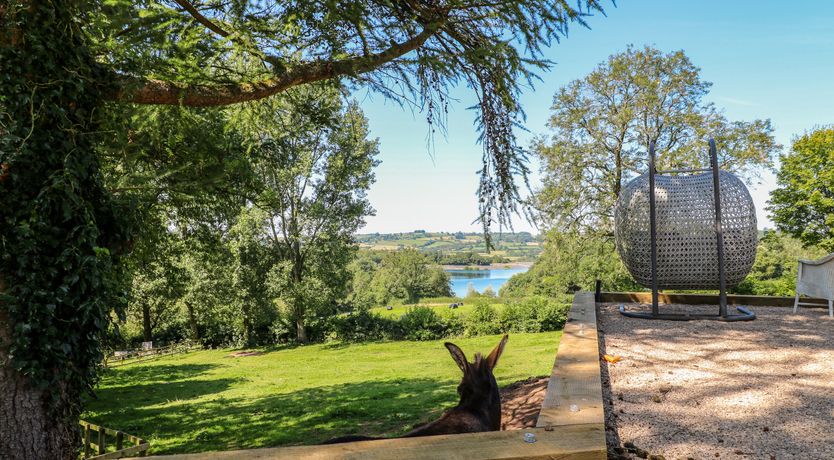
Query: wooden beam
[[700, 299], [574, 392], [579, 442]]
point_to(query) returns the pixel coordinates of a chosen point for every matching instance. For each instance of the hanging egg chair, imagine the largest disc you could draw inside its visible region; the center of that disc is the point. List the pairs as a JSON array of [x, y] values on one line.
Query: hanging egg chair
[[673, 231]]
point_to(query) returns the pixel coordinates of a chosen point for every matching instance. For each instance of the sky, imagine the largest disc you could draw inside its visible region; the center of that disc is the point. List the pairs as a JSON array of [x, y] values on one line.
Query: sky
[[765, 59]]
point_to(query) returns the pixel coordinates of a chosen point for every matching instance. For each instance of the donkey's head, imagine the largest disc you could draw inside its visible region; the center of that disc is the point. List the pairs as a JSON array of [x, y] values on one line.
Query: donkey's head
[[478, 390]]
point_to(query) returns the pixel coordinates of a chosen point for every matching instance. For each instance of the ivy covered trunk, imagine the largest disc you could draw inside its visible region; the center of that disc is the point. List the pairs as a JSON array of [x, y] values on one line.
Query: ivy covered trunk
[[58, 227], [26, 430]]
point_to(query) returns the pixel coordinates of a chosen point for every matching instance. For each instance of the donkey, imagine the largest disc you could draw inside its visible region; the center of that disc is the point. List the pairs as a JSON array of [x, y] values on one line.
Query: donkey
[[479, 408]]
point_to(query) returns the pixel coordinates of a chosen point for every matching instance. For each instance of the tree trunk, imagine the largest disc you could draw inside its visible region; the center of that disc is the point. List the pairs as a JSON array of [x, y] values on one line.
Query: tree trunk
[[192, 321], [301, 330], [27, 431], [147, 330], [247, 326]]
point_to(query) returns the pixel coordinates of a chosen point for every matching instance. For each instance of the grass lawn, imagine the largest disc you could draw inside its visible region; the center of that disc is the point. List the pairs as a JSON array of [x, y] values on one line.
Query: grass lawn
[[439, 308], [207, 400]]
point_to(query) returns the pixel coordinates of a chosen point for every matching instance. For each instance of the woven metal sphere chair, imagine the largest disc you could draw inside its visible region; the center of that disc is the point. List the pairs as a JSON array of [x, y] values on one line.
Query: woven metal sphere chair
[[675, 232]]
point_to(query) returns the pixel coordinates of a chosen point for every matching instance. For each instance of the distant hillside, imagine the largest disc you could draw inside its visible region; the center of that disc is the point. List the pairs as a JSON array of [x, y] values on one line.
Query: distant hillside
[[459, 247]]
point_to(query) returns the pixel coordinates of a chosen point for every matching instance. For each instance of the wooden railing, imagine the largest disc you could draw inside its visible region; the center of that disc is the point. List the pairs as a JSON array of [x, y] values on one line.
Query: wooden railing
[[95, 443], [135, 356]]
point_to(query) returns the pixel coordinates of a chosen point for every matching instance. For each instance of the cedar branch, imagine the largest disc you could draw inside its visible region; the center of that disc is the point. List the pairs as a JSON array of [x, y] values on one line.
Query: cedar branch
[[144, 91]]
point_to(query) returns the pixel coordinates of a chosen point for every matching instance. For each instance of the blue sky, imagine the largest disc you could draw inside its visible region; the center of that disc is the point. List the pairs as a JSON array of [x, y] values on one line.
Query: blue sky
[[766, 59]]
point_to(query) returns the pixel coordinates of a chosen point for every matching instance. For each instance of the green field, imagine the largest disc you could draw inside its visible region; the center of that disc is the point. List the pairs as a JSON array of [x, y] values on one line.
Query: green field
[[440, 308], [516, 247], [207, 400]]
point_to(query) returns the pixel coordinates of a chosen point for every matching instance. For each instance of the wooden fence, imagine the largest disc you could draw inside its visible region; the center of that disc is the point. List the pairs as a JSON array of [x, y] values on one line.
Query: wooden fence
[[96, 442], [135, 356]]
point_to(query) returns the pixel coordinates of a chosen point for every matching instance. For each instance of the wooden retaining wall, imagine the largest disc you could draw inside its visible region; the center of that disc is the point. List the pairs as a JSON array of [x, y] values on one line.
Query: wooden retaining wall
[[561, 433], [574, 392]]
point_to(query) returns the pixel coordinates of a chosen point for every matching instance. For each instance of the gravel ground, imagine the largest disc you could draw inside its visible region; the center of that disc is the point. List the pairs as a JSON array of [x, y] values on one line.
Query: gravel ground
[[762, 389]]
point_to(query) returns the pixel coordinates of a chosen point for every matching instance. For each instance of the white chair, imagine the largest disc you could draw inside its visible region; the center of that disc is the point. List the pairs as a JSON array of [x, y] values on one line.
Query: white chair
[[815, 278]]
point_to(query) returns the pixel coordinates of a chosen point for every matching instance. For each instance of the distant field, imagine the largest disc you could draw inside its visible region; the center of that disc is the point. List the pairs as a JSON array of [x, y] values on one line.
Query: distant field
[[207, 400], [517, 247]]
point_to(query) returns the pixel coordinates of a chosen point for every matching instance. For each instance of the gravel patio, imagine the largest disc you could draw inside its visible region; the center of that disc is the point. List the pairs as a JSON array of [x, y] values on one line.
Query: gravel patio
[[705, 389]]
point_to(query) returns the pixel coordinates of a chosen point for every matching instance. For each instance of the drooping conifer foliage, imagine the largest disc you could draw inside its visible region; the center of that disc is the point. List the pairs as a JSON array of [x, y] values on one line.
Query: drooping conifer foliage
[[207, 53]]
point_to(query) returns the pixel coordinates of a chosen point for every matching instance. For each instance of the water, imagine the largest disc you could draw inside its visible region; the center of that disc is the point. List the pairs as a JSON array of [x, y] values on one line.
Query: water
[[481, 279]]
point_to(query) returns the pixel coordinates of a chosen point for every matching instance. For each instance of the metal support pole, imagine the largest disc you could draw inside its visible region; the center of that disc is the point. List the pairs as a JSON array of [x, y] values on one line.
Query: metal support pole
[[653, 227], [719, 232]]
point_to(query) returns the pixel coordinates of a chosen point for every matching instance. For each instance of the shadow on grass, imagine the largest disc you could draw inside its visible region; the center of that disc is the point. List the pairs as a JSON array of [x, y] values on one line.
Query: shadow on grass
[[152, 372], [181, 416]]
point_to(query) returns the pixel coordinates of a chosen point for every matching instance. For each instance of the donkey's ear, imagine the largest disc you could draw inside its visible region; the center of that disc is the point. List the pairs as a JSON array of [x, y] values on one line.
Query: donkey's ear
[[492, 359], [457, 355]]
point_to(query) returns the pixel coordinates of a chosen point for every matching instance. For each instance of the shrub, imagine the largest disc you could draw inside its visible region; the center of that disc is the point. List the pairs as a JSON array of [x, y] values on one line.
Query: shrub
[[422, 323], [362, 326], [455, 324], [551, 315], [518, 317], [482, 320], [534, 314]]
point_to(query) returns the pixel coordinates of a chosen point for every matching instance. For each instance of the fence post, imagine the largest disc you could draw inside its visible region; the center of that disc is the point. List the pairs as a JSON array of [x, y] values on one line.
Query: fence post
[[119, 438], [101, 435], [87, 441], [597, 290]]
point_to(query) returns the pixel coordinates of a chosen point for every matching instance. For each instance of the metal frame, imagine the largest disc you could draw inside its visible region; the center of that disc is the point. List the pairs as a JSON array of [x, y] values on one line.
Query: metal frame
[[745, 314]]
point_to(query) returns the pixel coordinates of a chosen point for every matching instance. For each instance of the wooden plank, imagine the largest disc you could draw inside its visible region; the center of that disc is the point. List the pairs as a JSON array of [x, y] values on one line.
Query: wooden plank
[[577, 442], [700, 299], [139, 450], [574, 392]]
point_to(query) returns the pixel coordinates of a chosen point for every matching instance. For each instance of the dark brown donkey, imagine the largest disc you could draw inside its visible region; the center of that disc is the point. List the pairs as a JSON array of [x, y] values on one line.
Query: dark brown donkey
[[479, 408]]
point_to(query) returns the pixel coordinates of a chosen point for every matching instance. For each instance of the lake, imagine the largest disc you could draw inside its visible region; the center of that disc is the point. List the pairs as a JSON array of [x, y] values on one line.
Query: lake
[[481, 279]]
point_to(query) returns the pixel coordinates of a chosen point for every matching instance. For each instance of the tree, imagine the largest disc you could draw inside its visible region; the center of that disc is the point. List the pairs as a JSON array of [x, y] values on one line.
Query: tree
[[774, 271], [409, 275], [315, 165], [157, 286], [365, 292], [184, 168], [251, 262], [60, 229], [602, 124], [571, 262], [63, 231], [802, 204]]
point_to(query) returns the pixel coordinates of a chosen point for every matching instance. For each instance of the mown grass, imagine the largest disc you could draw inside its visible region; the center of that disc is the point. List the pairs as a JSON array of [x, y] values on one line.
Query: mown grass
[[207, 400], [439, 306]]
